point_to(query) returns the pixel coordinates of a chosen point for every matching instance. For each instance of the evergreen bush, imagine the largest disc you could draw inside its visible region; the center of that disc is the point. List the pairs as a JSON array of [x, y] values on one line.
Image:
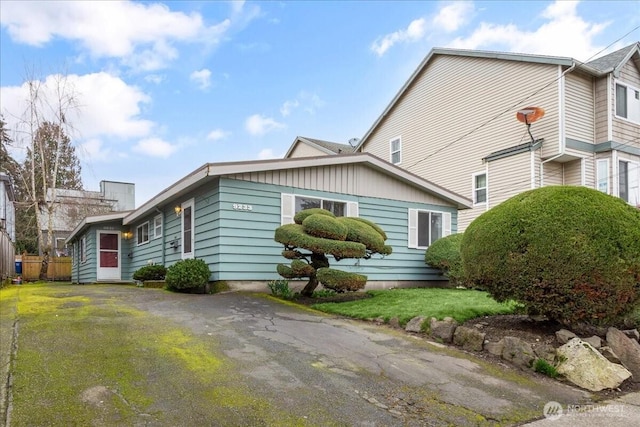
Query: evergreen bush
[[150, 272], [444, 254], [570, 253], [187, 274]]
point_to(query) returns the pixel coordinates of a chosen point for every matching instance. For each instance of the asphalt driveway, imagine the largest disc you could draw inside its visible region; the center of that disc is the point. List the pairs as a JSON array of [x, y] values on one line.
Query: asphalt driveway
[[288, 365]]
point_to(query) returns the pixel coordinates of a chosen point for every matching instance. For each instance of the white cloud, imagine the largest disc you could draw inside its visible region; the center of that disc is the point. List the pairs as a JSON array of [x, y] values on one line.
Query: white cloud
[[107, 106], [202, 78], [564, 34], [414, 31], [94, 150], [288, 106], [258, 125], [154, 78], [140, 34], [453, 16], [155, 147], [217, 134], [266, 154]]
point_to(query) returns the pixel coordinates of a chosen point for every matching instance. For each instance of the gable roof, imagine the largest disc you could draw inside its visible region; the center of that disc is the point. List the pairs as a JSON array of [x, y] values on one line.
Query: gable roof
[[327, 147], [598, 67], [211, 171], [87, 221], [613, 62]]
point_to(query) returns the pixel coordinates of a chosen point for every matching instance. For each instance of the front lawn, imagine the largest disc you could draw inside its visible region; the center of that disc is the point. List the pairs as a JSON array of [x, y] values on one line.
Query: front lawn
[[405, 304]]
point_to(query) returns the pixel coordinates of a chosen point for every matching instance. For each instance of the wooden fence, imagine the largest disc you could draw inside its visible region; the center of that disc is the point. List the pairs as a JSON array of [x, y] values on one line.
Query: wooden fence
[[59, 268], [7, 257]]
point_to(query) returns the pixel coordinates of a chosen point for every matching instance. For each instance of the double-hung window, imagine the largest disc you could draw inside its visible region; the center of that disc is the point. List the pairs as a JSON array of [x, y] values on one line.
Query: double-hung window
[[294, 203], [602, 175], [425, 227], [628, 102], [142, 233], [82, 249], [479, 188], [157, 226], [395, 146], [629, 182]]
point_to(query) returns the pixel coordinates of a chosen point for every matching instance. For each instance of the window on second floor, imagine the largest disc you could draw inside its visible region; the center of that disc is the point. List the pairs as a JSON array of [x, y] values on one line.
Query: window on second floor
[[396, 150], [142, 233], [629, 182], [479, 188], [628, 102]]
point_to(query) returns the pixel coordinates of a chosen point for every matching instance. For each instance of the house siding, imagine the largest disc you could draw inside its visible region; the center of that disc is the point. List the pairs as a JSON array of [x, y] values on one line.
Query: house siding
[[86, 272], [603, 109], [305, 150], [252, 254], [435, 139], [624, 130], [579, 107]]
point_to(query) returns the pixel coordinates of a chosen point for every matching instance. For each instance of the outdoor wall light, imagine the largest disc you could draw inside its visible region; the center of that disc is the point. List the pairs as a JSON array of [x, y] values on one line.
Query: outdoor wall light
[[178, 210], [127, 235]]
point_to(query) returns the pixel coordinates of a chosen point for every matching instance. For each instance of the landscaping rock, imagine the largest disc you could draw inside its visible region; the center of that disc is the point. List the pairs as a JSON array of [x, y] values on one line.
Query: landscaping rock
[[546, 352], [518, 352], [443, 329], [595, 341], [627, 349], [468, 338], [586, 368], [415, 324], [563, 336], [394, 322], [632, 333], [609, 355], [495, 348]]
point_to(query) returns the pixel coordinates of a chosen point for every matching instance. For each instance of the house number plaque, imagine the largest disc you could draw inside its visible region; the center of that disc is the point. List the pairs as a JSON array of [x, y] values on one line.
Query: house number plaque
[[242, 207]]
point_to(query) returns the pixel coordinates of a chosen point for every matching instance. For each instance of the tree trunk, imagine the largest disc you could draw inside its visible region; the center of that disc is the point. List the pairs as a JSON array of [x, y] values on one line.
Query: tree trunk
[[310, 286], [45, 266]]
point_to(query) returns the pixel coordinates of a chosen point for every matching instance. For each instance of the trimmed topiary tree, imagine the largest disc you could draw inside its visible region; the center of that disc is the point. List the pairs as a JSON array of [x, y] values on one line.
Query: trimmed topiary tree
[[187, 274], [570, 253], [318, 233], [444, 254]]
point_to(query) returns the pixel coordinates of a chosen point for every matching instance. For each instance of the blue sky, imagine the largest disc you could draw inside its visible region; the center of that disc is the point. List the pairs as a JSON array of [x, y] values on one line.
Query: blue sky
[[164, 87]]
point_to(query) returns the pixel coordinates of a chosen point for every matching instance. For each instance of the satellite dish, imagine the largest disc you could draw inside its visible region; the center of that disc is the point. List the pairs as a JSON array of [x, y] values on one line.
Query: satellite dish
[[529, 115], [353, 142]]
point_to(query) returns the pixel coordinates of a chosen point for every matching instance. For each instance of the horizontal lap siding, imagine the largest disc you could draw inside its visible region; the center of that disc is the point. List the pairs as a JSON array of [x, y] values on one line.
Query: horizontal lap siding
[[87, 271], [625, 131], [305, 150], [250, 253], [603, 109], [580, 107]]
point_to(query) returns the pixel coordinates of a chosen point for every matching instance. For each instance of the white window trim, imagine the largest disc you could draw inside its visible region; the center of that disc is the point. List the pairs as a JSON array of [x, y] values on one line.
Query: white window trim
[[155, 227], [188, 255], [630, 88], [633, 162], [474, 189], [82, 249], [607, 176], [412, 226], [288, 206], [399, 150], [144, 242]]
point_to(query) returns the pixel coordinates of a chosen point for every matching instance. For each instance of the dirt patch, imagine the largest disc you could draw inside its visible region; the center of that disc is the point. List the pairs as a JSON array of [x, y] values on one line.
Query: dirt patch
[[96, 396]]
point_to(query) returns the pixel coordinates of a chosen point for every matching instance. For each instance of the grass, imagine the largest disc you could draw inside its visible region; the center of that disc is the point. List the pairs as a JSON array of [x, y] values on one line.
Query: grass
[[405, 304]]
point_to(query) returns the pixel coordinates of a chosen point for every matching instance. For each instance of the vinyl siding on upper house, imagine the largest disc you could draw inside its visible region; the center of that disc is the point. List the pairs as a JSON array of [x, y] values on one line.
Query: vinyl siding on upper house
[[579, 107], [305, 150], [625, 131], [446, 118]]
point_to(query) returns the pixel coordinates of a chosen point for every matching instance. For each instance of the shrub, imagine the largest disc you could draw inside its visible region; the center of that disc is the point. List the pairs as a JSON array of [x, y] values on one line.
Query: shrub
[[280, 289], [570, 253], [544, 367], [187, 274], [444, 254], [150, 272]]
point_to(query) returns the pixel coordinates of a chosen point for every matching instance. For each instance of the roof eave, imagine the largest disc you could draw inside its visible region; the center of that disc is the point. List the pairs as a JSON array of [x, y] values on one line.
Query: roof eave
[[87, 221]]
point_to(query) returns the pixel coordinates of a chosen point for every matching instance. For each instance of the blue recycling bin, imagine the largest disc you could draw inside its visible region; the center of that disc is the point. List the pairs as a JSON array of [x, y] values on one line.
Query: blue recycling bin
[[19, 268]]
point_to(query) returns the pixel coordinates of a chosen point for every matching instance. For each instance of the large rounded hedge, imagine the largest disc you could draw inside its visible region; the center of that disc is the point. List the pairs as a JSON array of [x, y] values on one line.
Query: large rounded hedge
[[571, 253], [444, 254]]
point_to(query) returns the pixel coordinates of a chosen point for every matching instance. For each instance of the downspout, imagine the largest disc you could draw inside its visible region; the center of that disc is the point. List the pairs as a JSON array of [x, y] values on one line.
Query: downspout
[[163, 234], [562, 137]]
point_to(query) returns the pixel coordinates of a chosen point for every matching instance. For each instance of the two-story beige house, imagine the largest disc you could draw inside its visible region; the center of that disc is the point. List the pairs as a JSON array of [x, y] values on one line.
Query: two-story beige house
[[454, 123]]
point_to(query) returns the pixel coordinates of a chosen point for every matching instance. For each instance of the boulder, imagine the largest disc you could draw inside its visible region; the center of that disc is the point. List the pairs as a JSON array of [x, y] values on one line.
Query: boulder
[[443, 329], [609, 355], [494, 348], [632, 333], [469, 338], [394, 322], [415, 324], [595, 341], [563, 336], [546, 352], [585, 367], [627, 350], [518, 352]]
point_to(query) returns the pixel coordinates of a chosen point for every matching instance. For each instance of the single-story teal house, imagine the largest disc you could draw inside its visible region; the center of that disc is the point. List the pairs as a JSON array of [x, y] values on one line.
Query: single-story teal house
[[227, 213]]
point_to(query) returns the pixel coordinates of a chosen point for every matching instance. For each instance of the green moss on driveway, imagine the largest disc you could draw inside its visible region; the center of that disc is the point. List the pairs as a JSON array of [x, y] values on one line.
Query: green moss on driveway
[[91, 361]]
